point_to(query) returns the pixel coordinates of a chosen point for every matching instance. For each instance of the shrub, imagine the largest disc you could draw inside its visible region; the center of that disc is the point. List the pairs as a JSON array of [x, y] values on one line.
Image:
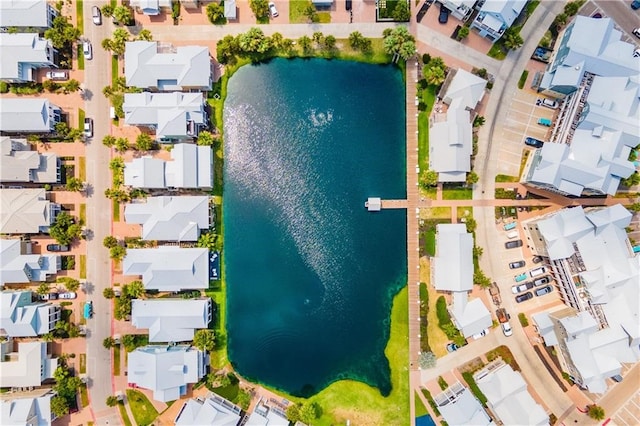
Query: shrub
[[442, 383], [523, 79], [468, 377], [4, 87], [523, 319]]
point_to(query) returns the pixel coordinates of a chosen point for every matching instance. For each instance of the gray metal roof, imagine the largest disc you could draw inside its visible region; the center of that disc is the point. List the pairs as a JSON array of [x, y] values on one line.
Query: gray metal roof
[[24, 211], [25, 115], [464, 409], [167, 112], [168, 69], [24, 13], [19, 164], [21, 318], [169, 268], [453, 263], [230, 10], [470, 316], [178, 218], [171, 320], [450, 144], [21, 53], [505, 10]]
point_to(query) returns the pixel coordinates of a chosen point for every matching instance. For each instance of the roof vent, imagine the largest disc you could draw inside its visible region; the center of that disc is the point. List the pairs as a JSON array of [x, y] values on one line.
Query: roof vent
[[577, 68]]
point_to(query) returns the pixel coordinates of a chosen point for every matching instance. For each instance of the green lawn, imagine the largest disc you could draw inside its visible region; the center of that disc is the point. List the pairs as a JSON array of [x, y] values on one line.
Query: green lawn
[[461, 210], [116, 360], [429, 98], [144, 413], [296, 10], [81, 116], [219, 296], [83, 266], [421, 410], [80, 57], [506, 178], [353, 399], [497, 52], [82, 167], [124, 415], [114, 70], [456, 193], [83, 364], [79, 16], [324, 17]]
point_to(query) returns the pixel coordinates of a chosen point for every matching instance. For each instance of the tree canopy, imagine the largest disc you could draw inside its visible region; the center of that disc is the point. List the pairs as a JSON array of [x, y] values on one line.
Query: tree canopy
[[399, 43], [215, 13], [65, 229], [62, 33], [205, 340]]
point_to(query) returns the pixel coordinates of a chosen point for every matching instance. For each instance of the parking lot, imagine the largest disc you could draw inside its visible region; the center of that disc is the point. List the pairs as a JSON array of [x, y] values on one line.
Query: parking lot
[[629, 413], [521, 121]]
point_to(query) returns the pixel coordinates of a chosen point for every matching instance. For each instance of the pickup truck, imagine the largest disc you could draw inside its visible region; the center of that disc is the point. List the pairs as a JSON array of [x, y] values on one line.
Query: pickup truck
[[494, 291]]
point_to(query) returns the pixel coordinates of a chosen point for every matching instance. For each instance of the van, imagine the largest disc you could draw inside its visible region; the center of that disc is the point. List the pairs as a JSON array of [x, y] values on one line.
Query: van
[[537, 272], [544, 122], [57, 75], [510, 226], [513, 234]]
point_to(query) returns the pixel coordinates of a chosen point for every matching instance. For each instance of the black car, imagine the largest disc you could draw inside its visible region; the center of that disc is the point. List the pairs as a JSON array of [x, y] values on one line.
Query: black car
[[542, 281], [443, 18], [516, 265], [57, 247], [524, 297], [513, 244], [537, 259], [536, 143], [544, 290]]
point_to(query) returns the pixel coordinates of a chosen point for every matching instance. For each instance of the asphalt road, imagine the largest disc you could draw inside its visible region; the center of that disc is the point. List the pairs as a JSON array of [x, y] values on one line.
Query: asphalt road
[[620, 11], [98, 220]]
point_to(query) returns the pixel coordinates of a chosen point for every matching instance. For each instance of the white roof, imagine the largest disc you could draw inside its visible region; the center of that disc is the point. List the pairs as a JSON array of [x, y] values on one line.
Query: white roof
[[21, 53], [450, 144], [25, 115], [545, 328], [19, 164], [507, 394], [166, 370], [178, 69], [170, 218], [469, 87], [503, 10], [26, 411], [151, 7], [453, 263], [470, 316], [464, 409], [30, 366], [19, 317], [171, 320], [169, 268], [168, 113], [213, 410], [24, 211], [230, 11], [23, 268], [24, 13]]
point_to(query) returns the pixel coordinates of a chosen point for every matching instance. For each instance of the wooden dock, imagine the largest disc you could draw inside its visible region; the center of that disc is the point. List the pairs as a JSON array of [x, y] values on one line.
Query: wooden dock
[[394, 204]]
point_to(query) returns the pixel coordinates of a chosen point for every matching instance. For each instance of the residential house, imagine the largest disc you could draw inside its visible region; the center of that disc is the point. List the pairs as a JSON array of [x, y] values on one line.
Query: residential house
[[459, 9], [32, 410], [191, 167], [595, 272], [452, 271], [169, 268], [496, 16], [151, 7], [28, 367], [18, 163], [166, 370], [458, 406], [22, 54], [230, 10], [170, 218], [20, 317], [212, 410], [462, 84], [171, 320], [508, 397], [23, 14], [173, 116], [161, 67], [19, 265], [28, 115], [451, 144], [265, 414], [26, 211]]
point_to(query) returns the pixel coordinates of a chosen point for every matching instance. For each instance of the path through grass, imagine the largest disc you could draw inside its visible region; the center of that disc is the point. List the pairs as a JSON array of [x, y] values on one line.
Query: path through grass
[[124, 415]]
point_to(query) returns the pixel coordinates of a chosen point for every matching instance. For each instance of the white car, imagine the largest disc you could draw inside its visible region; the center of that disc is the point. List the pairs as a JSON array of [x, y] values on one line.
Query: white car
[[87, 50], [97, 15], [636, 32], [506, 328], [67, 295], [549, 103], [273, 10]]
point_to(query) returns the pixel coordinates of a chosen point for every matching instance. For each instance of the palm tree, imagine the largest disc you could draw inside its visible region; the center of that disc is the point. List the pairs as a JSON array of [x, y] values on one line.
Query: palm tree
[[305, 43], [595, 412], [513, 41], [74, 184], [435, 76]]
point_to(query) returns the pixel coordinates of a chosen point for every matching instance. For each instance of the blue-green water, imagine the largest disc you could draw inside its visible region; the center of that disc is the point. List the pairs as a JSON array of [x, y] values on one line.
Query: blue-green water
[[310, 273]]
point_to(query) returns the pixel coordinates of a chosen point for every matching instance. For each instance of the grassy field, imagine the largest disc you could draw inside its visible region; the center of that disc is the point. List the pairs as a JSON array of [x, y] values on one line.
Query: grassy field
[[81, 116], [435, 213], [456, 193], [114, 69], [83, 363], [219, 296], [80, 57], [83, 266], [296, 13], [429, 98], [116, 360], [124, 415], [421, 410], [79, 16], [437, 339], [144, 413], [505, 178], [363, 404], [82, 167]]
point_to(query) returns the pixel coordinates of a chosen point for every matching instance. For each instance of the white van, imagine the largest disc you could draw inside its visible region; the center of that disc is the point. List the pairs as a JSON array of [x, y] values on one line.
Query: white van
[[513, 234], [537, 272]]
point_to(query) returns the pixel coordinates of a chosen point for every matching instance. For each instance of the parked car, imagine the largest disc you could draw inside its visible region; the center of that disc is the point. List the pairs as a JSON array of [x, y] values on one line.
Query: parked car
[[617, 378], [544, 122], [537, 272], [494, 291], [520, 277], [513, 244], [635, 4], [636, 32], [452, 347], [521, 287], [549, 103], [481, 334], [502, 315], [524, 297], [537, 259], [57, 75], [536, 143], [68, 295], [544, 290], [443, 17], [272, 10], [542, 281], [97, 15], [87, 50], [506, 328], [516, 265], [57, 247], [88, 127], [49, 296], [88, 310], [636, 53]]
